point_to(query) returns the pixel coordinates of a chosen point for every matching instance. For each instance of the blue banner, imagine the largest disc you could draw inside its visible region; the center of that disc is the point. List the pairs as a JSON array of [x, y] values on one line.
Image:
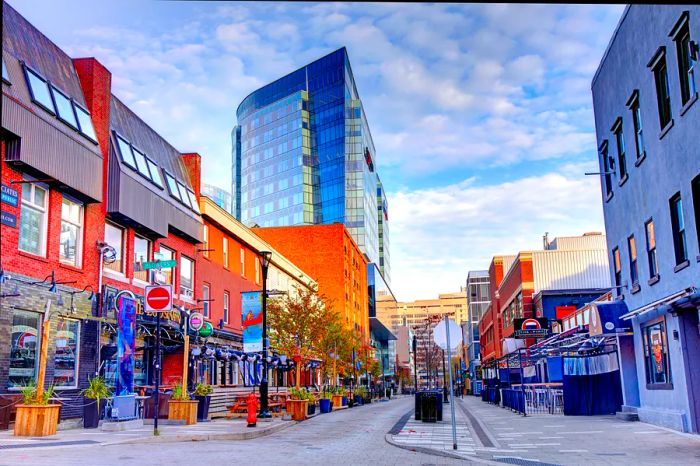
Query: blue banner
[[251, 319], [126, 340]]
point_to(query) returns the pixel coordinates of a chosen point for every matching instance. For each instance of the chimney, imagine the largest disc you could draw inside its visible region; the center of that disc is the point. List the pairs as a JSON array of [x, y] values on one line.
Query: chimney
[[193, 164]]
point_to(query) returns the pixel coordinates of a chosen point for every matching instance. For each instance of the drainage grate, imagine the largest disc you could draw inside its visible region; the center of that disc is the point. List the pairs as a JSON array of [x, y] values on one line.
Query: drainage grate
[[401, 422], [523, 462], [49, 444]]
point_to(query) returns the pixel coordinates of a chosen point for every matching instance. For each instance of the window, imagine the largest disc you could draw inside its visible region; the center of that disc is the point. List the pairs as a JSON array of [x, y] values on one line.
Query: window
[[67, 339], [618, 269], [663, 94], [206, 240], [71, 239], [32, 219], [193, 201], [141, 165], [687, 57], [183, 195], [620, 141], [125, 152], [657, 363], [678, 226], [632, 249], [224, 254], [172, 186], [5, 75], [24, 348], [242, 262], [695, 187], [167, 254], [226, 300], [142, 253], [186, 276], [205, 300], [633, 104], [39, 89], [607, 169], [114, 236], [257, 271], [64, 107], [651, 249], [155, 173], [85, 122]]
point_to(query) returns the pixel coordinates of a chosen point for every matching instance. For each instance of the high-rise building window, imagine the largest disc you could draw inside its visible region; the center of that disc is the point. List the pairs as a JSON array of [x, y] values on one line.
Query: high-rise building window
[[71, 239], [678, 226], [618, 270], [607, 169], [32, 219], [114, 236], [142, 253], [695, 187], [620, 142], [687, 58], [205, 300], [651, 249], [632, 249], [663, 94], [226, 302], [633, 104]]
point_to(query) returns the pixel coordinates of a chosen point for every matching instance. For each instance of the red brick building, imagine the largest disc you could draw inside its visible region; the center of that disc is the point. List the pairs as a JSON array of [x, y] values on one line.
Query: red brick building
[[491, 325]]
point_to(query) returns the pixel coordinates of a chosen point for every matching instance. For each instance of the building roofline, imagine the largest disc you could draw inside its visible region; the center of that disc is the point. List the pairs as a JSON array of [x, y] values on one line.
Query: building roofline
[[610, 43]]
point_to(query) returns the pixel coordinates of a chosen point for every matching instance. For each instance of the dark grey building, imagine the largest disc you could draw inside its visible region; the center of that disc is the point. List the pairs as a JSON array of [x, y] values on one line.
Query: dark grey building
[[648, 132]]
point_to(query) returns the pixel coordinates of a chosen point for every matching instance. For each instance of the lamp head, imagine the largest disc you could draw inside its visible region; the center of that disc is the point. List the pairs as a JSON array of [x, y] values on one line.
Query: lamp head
[[266, 256]]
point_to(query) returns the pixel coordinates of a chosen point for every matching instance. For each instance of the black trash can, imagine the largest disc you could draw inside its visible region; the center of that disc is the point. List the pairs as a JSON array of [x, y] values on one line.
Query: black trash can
[[417, 399], [429, 407], [438, 407]]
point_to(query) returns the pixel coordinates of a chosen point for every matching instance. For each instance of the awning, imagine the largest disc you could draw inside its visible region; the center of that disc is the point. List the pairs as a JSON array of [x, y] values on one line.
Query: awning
[[379, 331], [668, 300]]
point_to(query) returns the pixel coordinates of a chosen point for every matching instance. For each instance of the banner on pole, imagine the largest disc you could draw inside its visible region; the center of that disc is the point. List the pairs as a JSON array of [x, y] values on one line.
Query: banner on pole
[[251, 319], [126, 340]]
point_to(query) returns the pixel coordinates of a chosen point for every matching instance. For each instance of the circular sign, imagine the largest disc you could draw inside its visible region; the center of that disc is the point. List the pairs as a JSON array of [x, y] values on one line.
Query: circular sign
[[609, 326], [196, 321], [158, 298], [206, 330], [530, 324]]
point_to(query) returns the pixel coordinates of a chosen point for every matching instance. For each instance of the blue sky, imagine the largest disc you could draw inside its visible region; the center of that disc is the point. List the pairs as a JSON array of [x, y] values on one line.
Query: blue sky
[[481, 114]]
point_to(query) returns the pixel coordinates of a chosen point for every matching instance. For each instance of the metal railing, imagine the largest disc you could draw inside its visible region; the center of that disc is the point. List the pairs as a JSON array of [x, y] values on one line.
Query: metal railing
[[533, 400]]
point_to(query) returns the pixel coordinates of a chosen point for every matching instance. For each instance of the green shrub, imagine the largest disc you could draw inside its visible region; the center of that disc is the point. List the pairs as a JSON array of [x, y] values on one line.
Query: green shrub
[[203, 389]]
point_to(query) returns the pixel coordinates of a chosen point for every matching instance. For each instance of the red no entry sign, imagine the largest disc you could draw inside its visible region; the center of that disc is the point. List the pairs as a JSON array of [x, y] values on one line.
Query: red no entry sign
[[159, 298]]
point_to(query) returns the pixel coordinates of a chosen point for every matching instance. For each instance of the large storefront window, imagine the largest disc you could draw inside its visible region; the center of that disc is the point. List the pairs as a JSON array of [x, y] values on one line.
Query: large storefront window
[[658, 368], [108, 359], [66, 360], [24, 349]]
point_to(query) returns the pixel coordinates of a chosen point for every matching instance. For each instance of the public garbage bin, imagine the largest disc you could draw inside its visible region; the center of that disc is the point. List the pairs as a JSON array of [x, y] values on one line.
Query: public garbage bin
[[438, 394], [429, 406], [418, 397]]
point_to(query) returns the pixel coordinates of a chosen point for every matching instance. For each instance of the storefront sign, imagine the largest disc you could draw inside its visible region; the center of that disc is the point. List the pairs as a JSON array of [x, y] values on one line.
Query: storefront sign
[[8, 219], [196, 321], [563, 311], [8, 195], [251, 313], [531, 328], [206, 330], [126, 341]]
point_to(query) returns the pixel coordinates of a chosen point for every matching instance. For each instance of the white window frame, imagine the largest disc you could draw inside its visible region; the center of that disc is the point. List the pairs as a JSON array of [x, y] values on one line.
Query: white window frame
[[187, 292], [79, 236], [123, 231], [206, 293], [224, 251], [43, 210], [227, 300], [149, 255], [205, 232]]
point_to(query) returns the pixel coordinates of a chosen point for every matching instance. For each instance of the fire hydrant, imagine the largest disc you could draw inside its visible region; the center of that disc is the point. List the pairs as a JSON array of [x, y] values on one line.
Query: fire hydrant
[[252, 405]]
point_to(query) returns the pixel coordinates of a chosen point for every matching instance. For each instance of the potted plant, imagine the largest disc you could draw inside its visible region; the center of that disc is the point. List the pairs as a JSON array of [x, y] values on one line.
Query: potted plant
[[337, 397], [325, 403], [359, 393], [297, 405], [96, 390], [36, 417], [181, 406], [202, 393], [311, 409]]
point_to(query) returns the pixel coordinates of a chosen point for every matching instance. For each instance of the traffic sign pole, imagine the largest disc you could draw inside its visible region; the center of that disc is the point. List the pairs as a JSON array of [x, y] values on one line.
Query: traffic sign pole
[[157, 374], [452, 393]]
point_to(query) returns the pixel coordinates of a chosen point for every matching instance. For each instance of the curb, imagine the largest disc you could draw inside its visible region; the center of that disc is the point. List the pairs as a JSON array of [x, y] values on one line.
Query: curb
[[248, 435], [443, 453]]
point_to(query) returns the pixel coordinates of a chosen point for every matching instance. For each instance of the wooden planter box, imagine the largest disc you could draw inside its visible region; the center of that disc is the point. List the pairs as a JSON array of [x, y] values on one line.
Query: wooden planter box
[[184, 409], [298, 409], [337, 401], [36, 420]]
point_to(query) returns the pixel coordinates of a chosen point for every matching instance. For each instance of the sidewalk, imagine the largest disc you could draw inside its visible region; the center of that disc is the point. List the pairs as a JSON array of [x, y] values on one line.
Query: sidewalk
[[221, 429]]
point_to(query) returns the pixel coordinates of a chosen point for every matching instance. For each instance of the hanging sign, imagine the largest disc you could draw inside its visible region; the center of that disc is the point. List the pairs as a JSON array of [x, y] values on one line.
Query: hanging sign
[[126, 341], [196, 321], [251, 318], [206, 330], [531, 328]]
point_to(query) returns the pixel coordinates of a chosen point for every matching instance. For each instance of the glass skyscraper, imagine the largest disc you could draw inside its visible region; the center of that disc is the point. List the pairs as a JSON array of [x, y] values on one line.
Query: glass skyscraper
[[303, 154]]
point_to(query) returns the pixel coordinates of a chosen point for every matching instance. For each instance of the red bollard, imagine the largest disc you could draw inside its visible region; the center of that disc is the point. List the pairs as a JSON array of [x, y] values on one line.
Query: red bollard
[[252, 405]]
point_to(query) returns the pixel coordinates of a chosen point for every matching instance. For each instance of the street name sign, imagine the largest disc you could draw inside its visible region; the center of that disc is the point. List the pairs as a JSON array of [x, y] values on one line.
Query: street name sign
[[160, 264]]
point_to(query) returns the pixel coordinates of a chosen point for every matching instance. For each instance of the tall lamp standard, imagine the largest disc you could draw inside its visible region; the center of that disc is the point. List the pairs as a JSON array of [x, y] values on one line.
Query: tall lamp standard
[[415, 364], [264, 410]]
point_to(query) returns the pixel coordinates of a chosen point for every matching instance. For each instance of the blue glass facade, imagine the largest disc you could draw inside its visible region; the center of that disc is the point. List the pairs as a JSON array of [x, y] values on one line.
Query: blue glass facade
[[303, 153]]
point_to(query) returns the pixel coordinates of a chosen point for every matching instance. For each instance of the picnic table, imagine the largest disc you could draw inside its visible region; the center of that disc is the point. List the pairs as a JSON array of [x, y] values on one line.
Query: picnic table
[[240, 404]]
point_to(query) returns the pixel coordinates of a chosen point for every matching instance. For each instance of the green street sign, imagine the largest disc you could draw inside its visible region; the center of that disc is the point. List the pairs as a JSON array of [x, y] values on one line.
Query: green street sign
[[160, 264]]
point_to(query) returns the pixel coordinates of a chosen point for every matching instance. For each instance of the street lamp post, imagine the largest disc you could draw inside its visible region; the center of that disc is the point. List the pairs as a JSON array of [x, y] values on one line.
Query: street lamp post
[[264, 410], [415, 364]]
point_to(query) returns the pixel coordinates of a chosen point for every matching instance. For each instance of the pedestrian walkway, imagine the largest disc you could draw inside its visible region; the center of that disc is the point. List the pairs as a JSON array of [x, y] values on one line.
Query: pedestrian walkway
[[223, 429]]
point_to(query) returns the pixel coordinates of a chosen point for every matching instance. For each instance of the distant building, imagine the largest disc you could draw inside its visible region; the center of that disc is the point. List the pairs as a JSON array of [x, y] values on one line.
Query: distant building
[[479, 299], [221, 197], [647, 119]]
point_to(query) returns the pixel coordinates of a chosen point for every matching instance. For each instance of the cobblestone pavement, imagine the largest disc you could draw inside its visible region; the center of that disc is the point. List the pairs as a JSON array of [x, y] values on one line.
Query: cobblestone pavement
[[577, 440], [349, 437]]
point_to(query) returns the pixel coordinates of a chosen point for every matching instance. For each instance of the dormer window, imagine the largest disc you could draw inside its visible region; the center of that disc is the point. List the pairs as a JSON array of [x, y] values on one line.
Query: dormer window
[[141, 165], [193, 201], [64, 108], [155, 173], [39, 90], [125, 151], [172, 186], [85, 122]]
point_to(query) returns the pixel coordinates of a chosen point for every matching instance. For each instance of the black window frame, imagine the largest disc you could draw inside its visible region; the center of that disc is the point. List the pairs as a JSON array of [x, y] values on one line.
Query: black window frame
[[135, 150], [29, 70], [632, 251], [79, 108], [647, 350], [606, 169], [681, 37], [637, 125], [621, 152], [680, 243], [193, 200], [54, 90], [652, 259], [5, 74], [156, 177], [695, 191], [617, 269], [131, 163], [174, 195], [663, 91]]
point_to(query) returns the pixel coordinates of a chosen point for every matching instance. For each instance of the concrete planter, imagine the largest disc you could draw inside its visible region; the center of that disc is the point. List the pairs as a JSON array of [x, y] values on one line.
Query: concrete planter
[[183, 409], [36, 420]]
